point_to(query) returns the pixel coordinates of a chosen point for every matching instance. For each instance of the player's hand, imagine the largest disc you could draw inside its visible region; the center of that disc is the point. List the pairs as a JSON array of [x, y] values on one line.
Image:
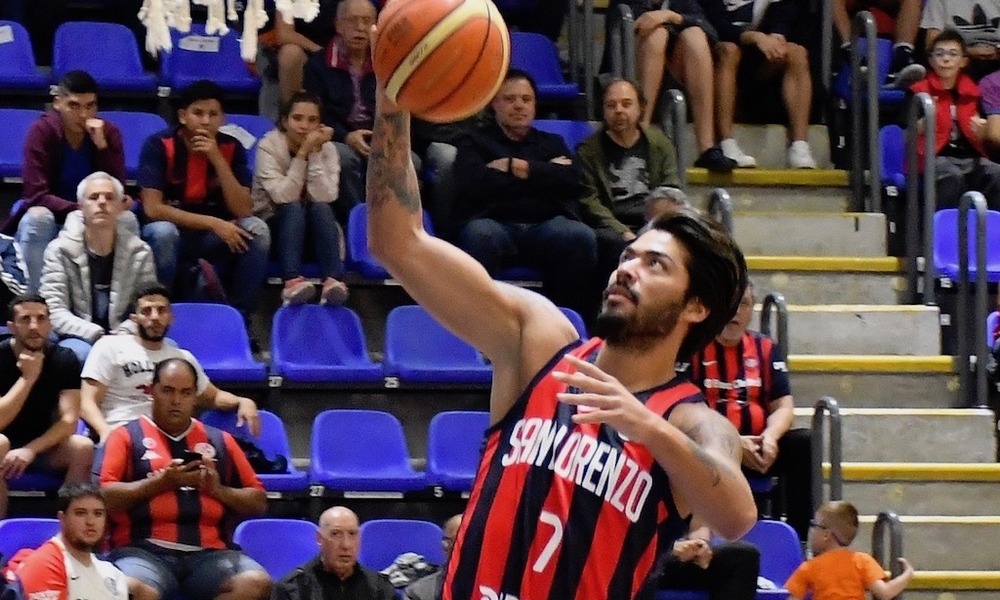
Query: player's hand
[[30, 364], [95, 129], [15, 462], [603, 399], [358, 141], [234, 236], [246, 412], [205, 144]]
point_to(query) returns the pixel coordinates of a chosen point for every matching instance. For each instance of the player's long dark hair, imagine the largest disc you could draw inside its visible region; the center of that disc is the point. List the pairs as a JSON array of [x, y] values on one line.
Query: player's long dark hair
[[716, 268]]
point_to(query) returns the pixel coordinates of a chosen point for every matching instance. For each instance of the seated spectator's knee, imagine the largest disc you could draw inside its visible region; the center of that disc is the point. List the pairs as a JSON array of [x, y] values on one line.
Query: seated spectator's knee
[[654, 41], [4, 444], [349, 159], [290, 55], [81, 450], [253, 585], [259, 230], [797, 57], [161, 232], [693, 39], [728, 55], [38, 221], [138, 590]]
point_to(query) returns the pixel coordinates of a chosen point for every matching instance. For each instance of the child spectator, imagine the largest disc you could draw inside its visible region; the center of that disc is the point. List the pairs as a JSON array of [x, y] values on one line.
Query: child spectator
[[961, 163], [836, 571], [296, 183]]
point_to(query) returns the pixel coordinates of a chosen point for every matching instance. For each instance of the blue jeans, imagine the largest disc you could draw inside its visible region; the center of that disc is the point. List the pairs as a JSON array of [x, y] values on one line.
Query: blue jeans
[[564, 250], [37, 228], [244, 271], [198, 575], [291, 222]]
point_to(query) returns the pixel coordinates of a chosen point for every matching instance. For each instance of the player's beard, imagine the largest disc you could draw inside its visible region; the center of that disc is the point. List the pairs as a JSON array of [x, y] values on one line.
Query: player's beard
[[638, 329]]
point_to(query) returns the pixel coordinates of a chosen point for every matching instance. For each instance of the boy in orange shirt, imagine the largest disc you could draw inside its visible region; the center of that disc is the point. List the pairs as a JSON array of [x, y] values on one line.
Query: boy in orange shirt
[[836, 572]]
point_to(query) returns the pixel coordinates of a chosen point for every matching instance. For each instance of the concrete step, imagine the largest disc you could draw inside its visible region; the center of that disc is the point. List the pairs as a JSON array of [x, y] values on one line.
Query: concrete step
[[811, 233], [771, 198], [830, 279], [864, 329], [944, 435], [877, 389], [923, 488], [939, 542], [768, 144]]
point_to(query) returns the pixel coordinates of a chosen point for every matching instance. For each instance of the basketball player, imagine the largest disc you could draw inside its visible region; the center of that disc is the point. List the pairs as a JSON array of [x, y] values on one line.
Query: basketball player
[[597, 453]]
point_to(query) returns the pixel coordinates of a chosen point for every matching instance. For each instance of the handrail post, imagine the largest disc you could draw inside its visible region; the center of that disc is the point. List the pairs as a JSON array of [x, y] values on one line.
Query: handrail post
[[674, 121], [888, 520], [826, 404], [588, 57], [977, 397], [826, 44], [864, 24], [775, 301], [922, 106], [720, 207]]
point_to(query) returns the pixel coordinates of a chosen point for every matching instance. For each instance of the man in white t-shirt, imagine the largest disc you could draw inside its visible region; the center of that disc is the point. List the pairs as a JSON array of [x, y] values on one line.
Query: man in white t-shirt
[[119, 371], [65, 568]]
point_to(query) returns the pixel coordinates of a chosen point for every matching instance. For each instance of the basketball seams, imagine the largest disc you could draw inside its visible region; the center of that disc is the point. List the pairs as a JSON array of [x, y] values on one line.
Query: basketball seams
[[436, 36]]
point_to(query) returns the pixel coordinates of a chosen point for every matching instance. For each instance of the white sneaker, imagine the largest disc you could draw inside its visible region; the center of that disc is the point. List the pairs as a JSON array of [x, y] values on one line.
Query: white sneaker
[[800, 156], [733, 151]]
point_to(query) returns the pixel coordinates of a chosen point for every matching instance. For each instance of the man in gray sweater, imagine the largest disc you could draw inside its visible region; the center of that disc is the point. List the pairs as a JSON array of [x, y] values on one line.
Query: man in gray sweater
[[93, 269]]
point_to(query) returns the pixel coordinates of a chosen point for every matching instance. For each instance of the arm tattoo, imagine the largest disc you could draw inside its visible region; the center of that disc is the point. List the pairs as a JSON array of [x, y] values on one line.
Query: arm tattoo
[[708, 439], [390, 171]]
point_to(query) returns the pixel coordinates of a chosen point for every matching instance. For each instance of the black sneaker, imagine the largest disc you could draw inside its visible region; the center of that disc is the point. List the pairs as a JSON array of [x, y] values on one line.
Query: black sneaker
[[905, 70], [714, 160]]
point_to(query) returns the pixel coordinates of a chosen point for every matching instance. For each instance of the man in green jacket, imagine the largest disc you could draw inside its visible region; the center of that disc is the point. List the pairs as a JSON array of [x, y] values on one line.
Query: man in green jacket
[[622, 163]]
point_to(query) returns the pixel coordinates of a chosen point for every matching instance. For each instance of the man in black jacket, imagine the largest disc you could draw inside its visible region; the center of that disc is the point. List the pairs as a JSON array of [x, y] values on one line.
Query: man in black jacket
[[518, 199], [335, 572]]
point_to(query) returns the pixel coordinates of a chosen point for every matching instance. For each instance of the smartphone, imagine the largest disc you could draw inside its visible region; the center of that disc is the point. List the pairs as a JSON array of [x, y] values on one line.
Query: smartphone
[[189, 456]]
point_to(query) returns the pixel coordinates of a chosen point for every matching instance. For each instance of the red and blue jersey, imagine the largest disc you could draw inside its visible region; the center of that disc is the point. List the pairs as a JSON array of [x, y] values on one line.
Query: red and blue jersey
[[565, 511], [740, 381]]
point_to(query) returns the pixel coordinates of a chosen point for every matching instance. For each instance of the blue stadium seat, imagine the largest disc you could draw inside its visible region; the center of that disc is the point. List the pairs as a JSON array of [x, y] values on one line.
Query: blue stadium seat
[[946, 245], [883, 54], [539, 57], [418, 349], [681, 595], [892, 140], [382, 540], [361, 451], [359, 259], [18, 73], [217, 336], [16, 122], [135, 128], [35, 482], [321, 344], [454, 442], [577, 321], [572, 132], [780, 554], [992, 320], [25, 532], [108, 51], [279, 545], [245, 127], [197, 55], [273, 441]]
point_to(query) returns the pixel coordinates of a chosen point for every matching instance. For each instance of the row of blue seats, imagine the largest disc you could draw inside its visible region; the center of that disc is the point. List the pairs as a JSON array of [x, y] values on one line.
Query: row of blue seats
[[281, 545], [109, 52], [340, 462], [312, 344]]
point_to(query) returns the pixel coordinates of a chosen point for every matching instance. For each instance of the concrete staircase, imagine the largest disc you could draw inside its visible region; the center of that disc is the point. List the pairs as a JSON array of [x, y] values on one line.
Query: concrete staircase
[[851, 337]]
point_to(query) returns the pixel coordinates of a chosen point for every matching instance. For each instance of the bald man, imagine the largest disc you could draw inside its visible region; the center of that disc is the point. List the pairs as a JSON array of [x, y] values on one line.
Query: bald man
[[335, 572], [426, 588]]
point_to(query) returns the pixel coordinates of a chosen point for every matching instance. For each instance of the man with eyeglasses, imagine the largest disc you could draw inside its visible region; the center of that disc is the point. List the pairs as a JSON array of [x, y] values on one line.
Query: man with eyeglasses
[[961, 162], [335, 572], [61, 148], [426, 587], [94, 268]]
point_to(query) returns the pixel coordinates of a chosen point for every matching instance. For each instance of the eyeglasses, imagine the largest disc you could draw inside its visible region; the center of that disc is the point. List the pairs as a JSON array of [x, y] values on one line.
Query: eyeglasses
[[941, 53]]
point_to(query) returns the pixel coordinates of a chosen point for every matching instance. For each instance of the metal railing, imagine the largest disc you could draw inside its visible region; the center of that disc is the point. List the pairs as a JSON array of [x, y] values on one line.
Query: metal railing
[[775, 302], [888, 523], [674, 123], [826, 43], [921, 107], [720, 208], [825, 405], [977, 396], [581, 43], [864, 78], [623, 45]]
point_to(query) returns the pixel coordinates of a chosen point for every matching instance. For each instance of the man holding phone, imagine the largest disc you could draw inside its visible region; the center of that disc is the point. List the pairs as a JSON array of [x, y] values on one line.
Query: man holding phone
[[174, 489]]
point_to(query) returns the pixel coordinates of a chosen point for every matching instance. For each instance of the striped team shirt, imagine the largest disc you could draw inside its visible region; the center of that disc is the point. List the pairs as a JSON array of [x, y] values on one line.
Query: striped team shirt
[[740, 381], [561, 511]]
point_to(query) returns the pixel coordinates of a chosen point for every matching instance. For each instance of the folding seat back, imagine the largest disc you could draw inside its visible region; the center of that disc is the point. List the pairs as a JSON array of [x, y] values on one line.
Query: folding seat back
[[323, 344], [946, 244], [197, 55], [16, 123], [419, 349], [108, 51], [25, 532], [135, 127], [17, 60], [279, 545], [216, 335], [382, 540], [454, 443]]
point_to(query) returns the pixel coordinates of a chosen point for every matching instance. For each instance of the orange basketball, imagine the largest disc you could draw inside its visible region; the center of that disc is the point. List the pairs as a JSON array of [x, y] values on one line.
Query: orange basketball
[[442, 60]]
